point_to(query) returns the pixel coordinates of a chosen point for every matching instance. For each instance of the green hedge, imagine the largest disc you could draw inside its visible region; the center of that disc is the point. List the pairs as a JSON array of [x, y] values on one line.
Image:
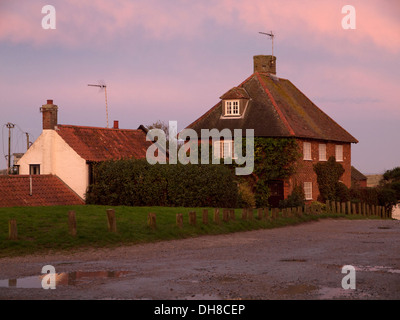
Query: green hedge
[[137, 183]]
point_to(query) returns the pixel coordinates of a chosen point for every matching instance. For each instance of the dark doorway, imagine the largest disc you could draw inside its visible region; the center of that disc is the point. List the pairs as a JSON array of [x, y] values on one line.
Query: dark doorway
[[276, 190]]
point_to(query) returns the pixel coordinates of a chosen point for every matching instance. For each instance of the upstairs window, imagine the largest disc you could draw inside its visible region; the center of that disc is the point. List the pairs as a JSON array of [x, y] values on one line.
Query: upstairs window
[[34, 169], [339, 153], [307, 151], [232, 108], [322, 152]]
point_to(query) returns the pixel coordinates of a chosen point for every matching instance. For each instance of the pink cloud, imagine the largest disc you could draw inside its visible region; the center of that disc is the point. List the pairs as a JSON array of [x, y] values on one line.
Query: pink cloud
[[100, 20]]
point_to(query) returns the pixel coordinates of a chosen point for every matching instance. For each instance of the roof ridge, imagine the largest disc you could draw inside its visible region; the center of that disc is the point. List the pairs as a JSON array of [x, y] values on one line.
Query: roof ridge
[[278, 110], [96, 128]]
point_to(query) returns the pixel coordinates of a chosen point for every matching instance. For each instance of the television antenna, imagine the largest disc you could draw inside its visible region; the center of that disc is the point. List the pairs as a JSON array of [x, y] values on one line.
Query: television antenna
[[102, 85], [271, 35]]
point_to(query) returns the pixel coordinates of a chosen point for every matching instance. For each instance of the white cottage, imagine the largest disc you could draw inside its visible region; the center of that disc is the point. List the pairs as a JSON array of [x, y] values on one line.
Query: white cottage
[[70, 151]]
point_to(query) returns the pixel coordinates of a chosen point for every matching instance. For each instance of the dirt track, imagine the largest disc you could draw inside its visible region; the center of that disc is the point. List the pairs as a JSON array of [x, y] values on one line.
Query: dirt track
[[299, 262]]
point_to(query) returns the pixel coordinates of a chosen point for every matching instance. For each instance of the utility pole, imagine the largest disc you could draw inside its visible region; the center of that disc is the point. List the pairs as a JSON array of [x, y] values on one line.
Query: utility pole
[[27, 140], [9, 126]]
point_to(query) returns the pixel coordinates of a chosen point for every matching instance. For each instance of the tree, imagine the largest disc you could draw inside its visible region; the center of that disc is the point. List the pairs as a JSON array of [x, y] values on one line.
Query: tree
[[328, 176]]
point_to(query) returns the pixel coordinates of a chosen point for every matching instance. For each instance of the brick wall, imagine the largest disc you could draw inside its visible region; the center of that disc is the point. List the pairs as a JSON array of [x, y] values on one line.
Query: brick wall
[[305, 171]]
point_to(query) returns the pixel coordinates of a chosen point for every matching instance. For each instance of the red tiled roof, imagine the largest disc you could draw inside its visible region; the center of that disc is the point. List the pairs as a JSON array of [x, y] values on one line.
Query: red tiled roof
[[101, 144], [47, 190]]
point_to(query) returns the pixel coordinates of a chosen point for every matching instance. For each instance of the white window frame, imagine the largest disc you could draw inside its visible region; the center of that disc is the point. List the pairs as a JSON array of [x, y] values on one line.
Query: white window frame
[[308, 194], [322, 152], [232, 108], [339, 153], [307, 151], [226, 149]]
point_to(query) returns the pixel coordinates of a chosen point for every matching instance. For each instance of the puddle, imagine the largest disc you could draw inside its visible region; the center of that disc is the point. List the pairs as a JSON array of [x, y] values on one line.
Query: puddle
[[62, 279], [377, 269]]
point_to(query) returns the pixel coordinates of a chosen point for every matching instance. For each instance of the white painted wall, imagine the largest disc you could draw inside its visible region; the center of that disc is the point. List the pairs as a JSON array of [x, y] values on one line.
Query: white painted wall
[[56, 157]]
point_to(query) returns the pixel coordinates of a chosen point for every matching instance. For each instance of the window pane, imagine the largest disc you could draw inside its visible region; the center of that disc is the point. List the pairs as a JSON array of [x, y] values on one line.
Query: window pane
[[307, 150], [308, 190], [339, 153], [322, 152]]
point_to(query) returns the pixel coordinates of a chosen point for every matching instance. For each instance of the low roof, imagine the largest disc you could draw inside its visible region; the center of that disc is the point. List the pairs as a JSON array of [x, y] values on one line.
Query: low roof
[[276, 109], [357, 175], [47, 190], [101, 144]]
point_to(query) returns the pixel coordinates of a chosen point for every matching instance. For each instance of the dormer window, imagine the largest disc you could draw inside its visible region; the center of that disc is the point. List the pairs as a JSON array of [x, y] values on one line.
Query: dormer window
[[232, 108]]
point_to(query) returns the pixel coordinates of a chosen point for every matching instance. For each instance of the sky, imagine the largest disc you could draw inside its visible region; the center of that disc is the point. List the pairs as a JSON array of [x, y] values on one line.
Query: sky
[[172, 60]]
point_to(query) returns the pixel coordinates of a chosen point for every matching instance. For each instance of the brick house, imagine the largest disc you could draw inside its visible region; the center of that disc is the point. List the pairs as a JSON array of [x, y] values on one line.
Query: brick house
[[274, 107], [69, 151]]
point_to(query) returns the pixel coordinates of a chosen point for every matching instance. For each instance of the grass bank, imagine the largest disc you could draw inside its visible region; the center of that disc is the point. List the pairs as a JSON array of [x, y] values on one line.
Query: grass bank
[[45, 229]]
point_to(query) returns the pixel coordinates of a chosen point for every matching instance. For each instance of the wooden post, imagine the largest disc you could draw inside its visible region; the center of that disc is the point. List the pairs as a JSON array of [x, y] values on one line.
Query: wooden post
[[225, 215], [231, 214], [72, 223], [179, 220], [333, 207], [151, 220], [284, 212], [328, 205], [267, 215], [250, 213], [111, 221], [12, 230], [353, 208], [244, 214], [216, 216], [205, 216], [343, 207], [348, 207], [192, 218], [260, 213]]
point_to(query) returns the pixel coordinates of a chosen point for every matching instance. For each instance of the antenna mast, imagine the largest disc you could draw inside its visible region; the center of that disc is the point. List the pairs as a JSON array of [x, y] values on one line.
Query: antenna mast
[[9, 126], [271, 35], [102, 86]]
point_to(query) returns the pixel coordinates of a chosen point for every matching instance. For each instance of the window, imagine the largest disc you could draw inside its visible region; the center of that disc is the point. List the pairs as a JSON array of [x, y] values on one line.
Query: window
[[339, 153], [34, 169], [322, 152], [225, 149], [308, 190], [232, 107], [307, 151]]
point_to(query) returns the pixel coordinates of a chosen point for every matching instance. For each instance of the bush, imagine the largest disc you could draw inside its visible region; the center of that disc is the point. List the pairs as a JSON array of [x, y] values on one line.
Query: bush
[[295, 199], [246, 196], [328, 175], [137, 183]]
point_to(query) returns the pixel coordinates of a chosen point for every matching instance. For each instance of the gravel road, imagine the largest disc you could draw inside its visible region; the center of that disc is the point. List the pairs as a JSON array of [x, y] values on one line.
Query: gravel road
[[295, 262]]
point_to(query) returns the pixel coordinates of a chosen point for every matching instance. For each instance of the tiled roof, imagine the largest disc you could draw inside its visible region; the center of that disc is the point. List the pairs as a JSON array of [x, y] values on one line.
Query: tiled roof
[[276, 109], [101, 144], [357, 175], [47, 190]]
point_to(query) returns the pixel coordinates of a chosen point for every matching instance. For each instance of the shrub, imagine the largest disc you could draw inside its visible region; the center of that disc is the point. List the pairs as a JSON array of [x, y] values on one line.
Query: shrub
[[137, 183], [295, 199], [328, 175], [246, 196]]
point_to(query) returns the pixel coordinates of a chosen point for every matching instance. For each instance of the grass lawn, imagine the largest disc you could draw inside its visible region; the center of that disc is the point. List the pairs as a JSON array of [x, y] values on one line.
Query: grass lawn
[[45, 229]]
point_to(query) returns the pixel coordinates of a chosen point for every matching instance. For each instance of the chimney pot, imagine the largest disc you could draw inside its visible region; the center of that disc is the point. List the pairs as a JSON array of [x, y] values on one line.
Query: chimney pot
[[116, 124], [49, 101]]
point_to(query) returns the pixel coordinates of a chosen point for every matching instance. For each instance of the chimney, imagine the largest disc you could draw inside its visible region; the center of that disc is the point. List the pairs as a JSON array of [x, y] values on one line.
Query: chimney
[[49, 112], [265, 64], [116, 125]]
